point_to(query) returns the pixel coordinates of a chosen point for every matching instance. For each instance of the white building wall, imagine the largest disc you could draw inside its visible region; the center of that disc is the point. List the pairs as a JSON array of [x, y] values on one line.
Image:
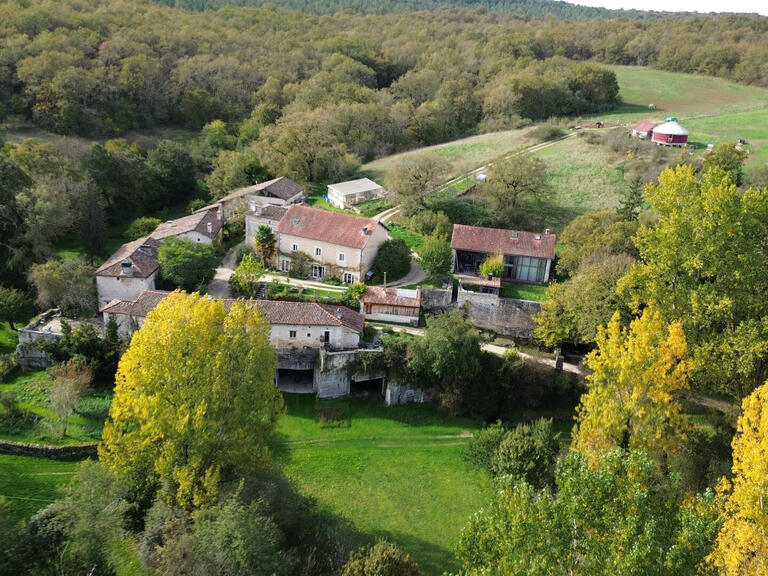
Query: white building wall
[[330, 253], [109, 288], [335, 197], [125, 323], [311, 336], [378, 238], [412, 320], [196, 237], [252, 224]]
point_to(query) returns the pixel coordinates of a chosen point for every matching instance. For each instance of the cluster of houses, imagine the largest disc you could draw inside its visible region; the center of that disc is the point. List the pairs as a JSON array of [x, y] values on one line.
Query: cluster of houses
[[344, 246]]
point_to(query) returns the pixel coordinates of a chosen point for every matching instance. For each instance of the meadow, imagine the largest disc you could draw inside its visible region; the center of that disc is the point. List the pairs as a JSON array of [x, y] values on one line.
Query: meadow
[[29, 483], [395, 473]]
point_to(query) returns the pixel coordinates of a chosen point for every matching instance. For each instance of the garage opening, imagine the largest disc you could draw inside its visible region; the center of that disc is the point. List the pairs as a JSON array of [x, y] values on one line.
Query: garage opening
[[295, 381], [373, 387]]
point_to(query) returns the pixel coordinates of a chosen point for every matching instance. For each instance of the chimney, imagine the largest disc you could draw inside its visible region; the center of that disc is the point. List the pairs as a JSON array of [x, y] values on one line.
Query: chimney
[[210, 228], [338, 313], [126, 268], [547, 231]]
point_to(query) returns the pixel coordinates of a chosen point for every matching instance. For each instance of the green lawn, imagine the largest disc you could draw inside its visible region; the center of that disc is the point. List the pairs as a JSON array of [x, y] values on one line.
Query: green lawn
[[8, 338], [524, 292], [30, 484], [462, 155], [413, 240], [392, 472], [30, 388]]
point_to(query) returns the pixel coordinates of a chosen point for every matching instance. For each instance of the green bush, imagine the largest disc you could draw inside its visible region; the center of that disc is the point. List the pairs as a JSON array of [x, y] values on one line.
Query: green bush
[[394, 259], [140, 227], [528, 453], [8, 365], [481, 449], [545, 133], [382, 559]]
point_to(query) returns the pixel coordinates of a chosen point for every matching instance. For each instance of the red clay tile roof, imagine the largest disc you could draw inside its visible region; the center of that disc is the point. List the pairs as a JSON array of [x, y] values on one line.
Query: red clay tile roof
[[310, 314], [142, 255], [645, 125], [197, 222], [489, 240], [390, 297], [143, 305], [327, 226]]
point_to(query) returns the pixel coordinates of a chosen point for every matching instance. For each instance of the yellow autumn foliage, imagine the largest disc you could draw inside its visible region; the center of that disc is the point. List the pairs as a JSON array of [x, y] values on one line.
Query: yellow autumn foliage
[[194, 395], [741, 548], [630, 400]]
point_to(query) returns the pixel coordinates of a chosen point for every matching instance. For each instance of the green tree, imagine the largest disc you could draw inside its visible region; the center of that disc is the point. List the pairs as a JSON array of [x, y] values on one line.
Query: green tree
[[173, 170], [355, 291], [186, 263], [66, 284], [742, 544], [381, 559], [414, 179], [140, 227], [265, 243], [528, 452], [618, 517], [632, 200], [630, 401], [517, 189], [702, 264], [245, 278], [436, 257], [729, 157], [195, 396], [197, 107], [233, 169], [70, 382], [392, 259], [14, 306]]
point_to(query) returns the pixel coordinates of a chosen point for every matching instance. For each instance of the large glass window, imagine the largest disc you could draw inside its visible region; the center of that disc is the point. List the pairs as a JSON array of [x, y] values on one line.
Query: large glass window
[[317, 271], [530, 269]]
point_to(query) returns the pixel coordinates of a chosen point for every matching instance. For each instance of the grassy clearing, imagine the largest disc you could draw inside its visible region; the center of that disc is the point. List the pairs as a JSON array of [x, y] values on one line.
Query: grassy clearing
[[30, 388], [714, 110], [392, 472], [524, 292], [30, 484], [372, 207], [584, 177], [413, 240], [462, 155]]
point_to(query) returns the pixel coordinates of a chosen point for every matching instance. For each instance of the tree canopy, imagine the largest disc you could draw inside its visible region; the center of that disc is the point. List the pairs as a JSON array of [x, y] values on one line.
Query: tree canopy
[[194, 397]]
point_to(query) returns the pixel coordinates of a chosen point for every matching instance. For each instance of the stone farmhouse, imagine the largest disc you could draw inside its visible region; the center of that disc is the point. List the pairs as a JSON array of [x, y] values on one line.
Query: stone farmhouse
[[128, 272], [130, 314], [348, 194], [391, 305], [133, 268], [279, 191], [258, 216], [527, 255], [339, 245]]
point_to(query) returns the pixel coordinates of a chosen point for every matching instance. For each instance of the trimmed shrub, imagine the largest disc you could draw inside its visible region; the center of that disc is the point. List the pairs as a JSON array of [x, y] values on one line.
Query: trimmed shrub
[[481, 449]]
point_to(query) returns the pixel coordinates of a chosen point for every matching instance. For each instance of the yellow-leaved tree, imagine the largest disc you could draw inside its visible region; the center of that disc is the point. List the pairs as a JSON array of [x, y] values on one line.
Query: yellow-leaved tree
[[194, 398], [630, 399], [741, 548]]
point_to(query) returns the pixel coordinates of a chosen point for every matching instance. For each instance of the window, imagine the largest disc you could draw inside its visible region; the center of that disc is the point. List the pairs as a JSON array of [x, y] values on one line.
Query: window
[[309, 334], [317, 271], [318, 251], [530, 269], [341, 256], [349, 278], [292, 334], [294, 247], [285, 265]]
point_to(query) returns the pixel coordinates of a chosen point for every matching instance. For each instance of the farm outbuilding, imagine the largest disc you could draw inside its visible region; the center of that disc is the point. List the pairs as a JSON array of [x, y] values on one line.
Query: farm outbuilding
[[670, 134], [643, 129]]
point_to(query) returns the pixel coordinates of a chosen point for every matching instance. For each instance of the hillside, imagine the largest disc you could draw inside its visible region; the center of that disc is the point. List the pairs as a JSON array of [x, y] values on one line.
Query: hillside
[[535, 8]]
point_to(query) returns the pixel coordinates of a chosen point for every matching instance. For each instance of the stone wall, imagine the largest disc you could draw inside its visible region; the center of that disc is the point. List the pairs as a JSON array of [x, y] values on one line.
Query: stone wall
[[435, 299], [53, 452], [30, 357], [336, 370], [506, 316]]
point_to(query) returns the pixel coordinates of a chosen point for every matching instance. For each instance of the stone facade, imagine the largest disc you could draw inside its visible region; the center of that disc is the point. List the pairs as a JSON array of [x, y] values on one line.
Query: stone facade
[[434, 299], [506, 316]]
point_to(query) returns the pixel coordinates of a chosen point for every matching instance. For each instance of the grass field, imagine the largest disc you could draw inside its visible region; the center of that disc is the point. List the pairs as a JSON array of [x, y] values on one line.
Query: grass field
[[32, 483], [30, 388], [714, 110], [8, 338], [392, 472], [413, 240], [462, 155]]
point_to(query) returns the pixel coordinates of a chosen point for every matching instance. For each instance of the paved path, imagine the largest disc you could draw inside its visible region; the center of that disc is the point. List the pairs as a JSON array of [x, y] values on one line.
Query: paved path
[[219, 286], [492, 348]]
